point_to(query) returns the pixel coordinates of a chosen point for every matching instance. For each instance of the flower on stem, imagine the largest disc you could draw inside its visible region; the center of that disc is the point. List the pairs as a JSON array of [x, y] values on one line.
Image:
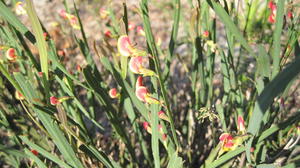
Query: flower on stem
[[160, 130], [40, 74], [205, 34], [227, 142], [126, 49], [19, 95], [33, 151], [113, 93], [71, 18], [241, 125], [46, 36], [11, 55], [107, 33], [290, 14], [131, 26], [162, 115], [272, 7], [142, 93], [61, 53], [19, 8], [137, 67], [140, 31], [54, 100]]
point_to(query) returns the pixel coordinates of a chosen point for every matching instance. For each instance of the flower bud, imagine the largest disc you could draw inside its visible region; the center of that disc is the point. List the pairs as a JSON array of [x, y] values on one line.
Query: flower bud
[[140, 31], [113, 93], [19, 95], [33, 151], [206, 34], [54, 100], [241, 124], [11, 55]]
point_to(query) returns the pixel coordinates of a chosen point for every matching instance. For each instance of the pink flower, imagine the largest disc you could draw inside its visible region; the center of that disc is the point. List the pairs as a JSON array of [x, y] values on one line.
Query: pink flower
[[71, 18], [142, 93], [131, 26], [127, 49], [140, 30], [206, 33], [135, 64], [11, 55], [137, 67], [113, 93], [54, 100], [62, 13], [241, 124], [124, 46]]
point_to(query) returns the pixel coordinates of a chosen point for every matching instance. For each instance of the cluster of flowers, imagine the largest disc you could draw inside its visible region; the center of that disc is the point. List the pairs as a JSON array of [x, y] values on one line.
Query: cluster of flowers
[[137, 65], [71, 18], [131, 26]]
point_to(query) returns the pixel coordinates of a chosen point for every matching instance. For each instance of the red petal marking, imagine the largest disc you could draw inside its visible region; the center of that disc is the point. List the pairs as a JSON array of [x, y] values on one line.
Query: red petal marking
[[107, 34], [123, 45], [141, 92], [139, 82]]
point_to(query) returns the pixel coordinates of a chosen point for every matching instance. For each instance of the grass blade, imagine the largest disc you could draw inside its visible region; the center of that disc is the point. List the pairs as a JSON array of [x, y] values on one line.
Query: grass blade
[[38, 32]]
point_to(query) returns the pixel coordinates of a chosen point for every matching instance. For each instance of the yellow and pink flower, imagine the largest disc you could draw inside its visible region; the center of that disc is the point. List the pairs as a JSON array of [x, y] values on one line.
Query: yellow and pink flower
[[126, 49], [19, 8], [142, 93], [136, 65], [140, 31]]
